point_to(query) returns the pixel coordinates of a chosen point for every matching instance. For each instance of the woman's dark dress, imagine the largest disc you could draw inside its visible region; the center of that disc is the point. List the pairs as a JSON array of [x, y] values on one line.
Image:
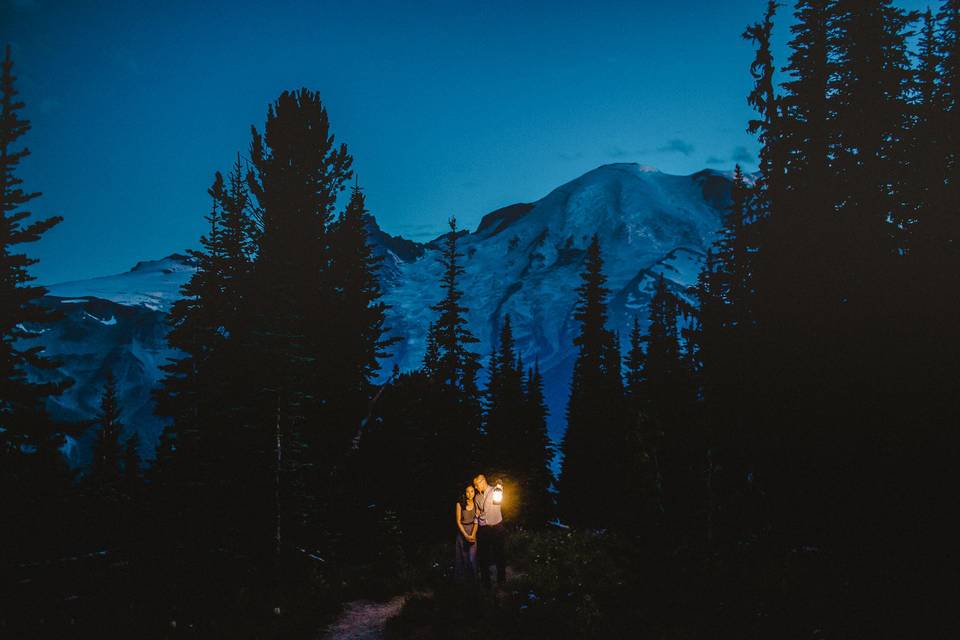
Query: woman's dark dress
[[465, 564]]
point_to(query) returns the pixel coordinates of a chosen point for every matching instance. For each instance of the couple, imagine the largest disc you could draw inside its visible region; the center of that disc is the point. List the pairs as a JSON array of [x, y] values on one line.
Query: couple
[[480, 533]]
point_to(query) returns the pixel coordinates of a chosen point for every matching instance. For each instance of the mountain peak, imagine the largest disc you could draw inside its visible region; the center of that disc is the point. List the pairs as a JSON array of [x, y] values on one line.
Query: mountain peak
[[172, 262], [632, 166]]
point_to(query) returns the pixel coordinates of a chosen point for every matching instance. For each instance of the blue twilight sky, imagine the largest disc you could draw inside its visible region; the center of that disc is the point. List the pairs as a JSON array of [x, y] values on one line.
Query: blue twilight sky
[[448, 107]]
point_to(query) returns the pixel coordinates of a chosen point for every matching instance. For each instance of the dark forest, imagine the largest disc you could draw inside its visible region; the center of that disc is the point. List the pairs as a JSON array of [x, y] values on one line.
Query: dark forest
[[771, 460]]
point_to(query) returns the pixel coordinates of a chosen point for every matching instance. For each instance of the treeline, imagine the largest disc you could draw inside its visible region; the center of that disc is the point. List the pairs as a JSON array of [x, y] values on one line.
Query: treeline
[[803, 413]]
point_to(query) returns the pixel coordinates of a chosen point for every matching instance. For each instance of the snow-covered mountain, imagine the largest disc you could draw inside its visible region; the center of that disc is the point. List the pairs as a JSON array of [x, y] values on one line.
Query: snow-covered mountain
[[524, 259], [115, 323]]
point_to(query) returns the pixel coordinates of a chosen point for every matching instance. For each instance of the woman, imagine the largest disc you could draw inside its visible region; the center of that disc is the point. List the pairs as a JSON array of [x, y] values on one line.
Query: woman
[[466, 559]]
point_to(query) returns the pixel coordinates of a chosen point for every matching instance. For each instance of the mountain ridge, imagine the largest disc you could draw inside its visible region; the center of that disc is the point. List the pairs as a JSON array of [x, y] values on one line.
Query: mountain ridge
[[523, 259]]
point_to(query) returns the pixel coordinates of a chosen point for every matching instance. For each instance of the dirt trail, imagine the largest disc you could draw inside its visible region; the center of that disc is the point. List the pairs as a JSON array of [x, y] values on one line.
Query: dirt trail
[[364, 620]]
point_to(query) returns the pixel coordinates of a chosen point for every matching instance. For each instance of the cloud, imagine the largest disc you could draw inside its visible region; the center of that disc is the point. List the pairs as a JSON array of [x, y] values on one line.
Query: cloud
[[715, 160], [742, 156], [676, 145], [617, 152]]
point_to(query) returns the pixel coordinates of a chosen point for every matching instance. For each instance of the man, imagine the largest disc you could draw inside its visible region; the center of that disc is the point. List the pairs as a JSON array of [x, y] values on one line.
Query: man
[[491, 534]]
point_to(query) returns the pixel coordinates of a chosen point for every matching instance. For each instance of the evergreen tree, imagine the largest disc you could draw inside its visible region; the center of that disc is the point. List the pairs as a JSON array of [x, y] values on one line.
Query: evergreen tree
[[297, 174], [25, 426], [642, 436], [105, 470], [356, 340], [194, 324], [731, 277], [634, 366], [457, 366], [594, 453], [769, 186], [793, 238], [454, 397], [535, 453], [33, 474], [807, 123], [806, 212], [431, 357], [869, 97], [210, 477], [926, 170], [938, 268], [203, 390], [674, 443], [505, 405], [724, 339], [664, 368], [764, 99], [946, 226]]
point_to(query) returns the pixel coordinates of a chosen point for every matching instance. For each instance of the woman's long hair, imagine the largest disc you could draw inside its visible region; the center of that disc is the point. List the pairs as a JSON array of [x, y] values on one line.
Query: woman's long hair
[[463, 497]]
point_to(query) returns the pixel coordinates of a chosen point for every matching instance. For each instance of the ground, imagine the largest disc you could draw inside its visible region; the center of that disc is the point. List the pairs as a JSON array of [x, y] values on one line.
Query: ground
[[364, 620]]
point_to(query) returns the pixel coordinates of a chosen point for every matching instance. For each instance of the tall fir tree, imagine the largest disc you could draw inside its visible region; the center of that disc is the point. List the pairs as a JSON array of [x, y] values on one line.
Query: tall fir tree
[[676, 449], [505, 404], [454, 397], [358, 328], [200, 390], [536, 453], [726, 339], [210, 476], [357, 341], [939, 224], [457, 365], [105, 468], [947, 226], [664, 370], [33, 474], [193, 331], [431, 356], [634, 366], [297, 173], [594, 452], [869, 97], [926, 170]]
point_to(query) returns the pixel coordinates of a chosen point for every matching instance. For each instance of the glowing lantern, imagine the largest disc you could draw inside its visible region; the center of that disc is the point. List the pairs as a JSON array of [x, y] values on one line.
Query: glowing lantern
[[498, 493]]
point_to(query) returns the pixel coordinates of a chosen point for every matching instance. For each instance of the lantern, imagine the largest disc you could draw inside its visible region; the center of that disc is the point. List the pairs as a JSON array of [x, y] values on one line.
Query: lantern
[[498, 493]]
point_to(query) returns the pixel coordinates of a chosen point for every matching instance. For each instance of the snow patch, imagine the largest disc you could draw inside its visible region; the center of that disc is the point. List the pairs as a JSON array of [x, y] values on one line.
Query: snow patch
[[112, 320]]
